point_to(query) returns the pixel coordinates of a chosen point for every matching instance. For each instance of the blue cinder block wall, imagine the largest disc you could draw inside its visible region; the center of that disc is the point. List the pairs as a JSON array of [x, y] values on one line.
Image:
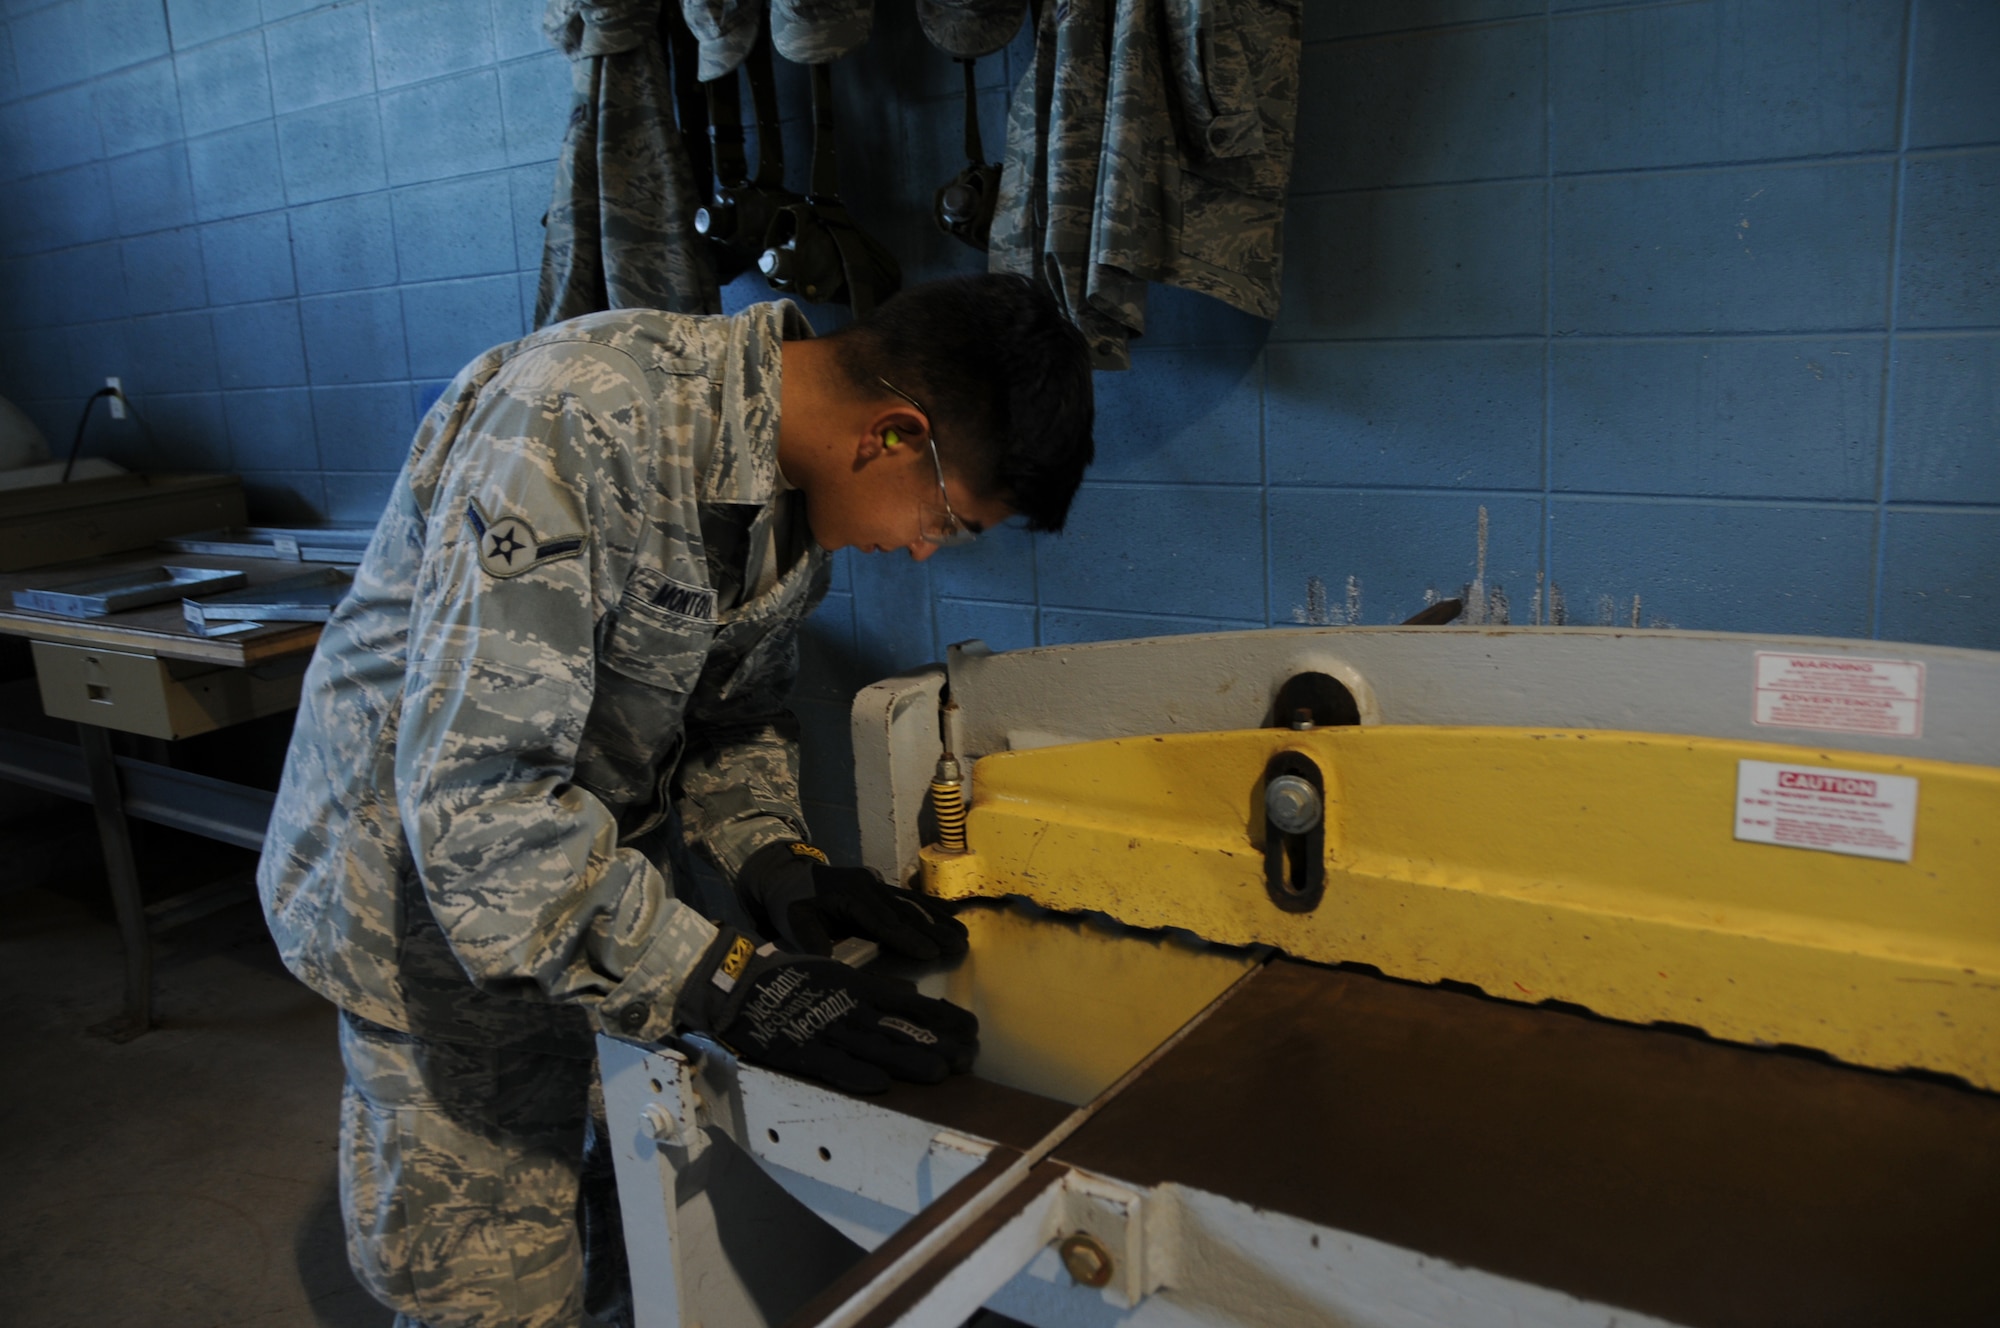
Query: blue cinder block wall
[[1670, 313]]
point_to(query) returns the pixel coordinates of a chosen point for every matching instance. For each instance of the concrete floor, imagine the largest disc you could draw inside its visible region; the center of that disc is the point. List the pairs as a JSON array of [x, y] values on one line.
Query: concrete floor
[[181, 1180]]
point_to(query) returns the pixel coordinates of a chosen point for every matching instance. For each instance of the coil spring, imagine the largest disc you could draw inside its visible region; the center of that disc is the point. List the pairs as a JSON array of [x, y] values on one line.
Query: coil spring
[[948, 802]]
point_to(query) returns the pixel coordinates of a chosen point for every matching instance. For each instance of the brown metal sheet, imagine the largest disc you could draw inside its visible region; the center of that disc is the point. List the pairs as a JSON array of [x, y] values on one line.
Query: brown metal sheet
[[1706, 1183], [978, 1108]]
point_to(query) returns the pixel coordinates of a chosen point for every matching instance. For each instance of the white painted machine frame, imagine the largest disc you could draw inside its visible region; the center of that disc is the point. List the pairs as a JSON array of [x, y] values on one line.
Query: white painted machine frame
[[1180, 1257]]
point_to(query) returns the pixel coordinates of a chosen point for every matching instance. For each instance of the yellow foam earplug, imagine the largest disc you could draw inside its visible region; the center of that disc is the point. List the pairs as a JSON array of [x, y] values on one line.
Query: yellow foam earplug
[[890, 438]]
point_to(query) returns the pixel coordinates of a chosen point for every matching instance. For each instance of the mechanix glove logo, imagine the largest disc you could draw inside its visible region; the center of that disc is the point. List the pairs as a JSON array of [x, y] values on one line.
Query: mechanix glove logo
[[733, 963], [914, 1032], [508, 546]]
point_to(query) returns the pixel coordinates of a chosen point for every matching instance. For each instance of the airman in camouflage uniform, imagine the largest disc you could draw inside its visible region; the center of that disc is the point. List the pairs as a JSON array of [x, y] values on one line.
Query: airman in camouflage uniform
[[538, 654], [1150, 142], [574, 631]]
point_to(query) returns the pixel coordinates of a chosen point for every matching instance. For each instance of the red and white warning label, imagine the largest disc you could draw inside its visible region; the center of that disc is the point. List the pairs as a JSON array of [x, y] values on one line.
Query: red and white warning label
[[1835, 811], [1840, 694]]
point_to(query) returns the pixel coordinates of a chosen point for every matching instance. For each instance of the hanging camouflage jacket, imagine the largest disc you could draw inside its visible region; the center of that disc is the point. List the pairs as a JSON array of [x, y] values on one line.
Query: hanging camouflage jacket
[[621, 223], [542, 656], [1151, 142]]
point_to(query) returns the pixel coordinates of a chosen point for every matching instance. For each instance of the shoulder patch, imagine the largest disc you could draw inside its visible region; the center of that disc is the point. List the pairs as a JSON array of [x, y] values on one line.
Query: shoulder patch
[[508, 545]]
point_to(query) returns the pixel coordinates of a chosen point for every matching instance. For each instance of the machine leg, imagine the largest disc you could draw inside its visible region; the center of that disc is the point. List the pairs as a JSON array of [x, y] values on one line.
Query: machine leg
[[101, 764]]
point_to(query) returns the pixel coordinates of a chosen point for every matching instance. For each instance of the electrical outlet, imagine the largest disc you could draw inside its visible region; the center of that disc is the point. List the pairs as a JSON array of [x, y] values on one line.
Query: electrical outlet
[[117, 398]]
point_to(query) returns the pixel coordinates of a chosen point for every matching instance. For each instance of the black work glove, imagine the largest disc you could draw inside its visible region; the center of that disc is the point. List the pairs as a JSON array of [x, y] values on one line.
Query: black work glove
[[807, 905], [819, 1018]]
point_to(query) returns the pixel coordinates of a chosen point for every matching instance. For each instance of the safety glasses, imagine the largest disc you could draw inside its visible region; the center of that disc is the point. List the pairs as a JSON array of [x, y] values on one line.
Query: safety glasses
[[955, 533]]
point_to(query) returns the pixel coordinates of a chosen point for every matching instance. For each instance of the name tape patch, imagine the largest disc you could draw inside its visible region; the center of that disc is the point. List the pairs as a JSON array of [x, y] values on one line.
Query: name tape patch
[[697, 602]]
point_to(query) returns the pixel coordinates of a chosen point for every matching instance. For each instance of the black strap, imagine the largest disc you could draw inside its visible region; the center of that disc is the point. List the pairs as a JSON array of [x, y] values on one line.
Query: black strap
[[826, 163], [770, 131], [684, 60], [973, 152], [725, 129]]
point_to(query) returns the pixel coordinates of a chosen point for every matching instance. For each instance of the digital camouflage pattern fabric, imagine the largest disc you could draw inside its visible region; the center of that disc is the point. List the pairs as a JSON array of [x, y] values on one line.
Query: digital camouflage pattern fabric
[[1151, 142], [620, 227], [541, 659], [430, 1134]]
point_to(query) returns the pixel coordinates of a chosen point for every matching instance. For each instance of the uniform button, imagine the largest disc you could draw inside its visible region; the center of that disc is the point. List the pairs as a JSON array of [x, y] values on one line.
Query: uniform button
[[634, 1016]]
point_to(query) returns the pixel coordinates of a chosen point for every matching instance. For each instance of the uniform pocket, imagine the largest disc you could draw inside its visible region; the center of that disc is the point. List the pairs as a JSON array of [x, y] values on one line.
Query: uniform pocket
[[663, 631]]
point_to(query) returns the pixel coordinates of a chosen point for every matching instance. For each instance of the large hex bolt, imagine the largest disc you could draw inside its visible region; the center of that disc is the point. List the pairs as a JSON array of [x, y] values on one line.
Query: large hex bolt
[[659, 1124], [1086, 1259], [1292, 804]]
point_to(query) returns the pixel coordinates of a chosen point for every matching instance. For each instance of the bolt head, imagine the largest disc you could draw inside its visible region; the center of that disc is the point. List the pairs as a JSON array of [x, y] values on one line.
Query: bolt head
[[658, 1123], [1086, 1258], [1293, 805]]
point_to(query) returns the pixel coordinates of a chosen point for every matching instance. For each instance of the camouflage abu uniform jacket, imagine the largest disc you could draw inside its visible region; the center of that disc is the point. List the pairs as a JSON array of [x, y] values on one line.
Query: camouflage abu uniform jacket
[[535, 665], [1150, 142]]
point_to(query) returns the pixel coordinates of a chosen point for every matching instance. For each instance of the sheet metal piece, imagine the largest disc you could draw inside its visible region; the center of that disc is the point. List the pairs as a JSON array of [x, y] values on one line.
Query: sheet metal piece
[[1591, 867], [1708, 1184], [1068, 1004], [309, 597], [134, 589], [323, 544]]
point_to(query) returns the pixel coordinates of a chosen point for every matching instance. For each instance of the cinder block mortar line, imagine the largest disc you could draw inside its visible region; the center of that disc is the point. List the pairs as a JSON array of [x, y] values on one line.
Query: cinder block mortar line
[[1917, 507], [1094, 611], [1885, 433], [1544, 573], [1714, 500], [1264, 475], [1619, 496], [1598, 338], [1396, 34], [1035, 571], [1638, 172], [1227, 486], [984, 602]]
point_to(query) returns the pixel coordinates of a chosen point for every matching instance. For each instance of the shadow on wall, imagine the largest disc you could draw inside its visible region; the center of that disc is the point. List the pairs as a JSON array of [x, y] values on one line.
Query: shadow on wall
[[1487, 602]]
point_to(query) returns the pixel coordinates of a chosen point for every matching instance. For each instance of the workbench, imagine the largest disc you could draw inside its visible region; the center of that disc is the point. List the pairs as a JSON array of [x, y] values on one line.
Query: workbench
[[144, 671]]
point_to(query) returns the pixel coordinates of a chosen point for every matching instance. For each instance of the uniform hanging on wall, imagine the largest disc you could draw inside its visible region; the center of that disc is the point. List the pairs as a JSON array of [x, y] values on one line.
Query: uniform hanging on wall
[[620, 228], [1151, 142]]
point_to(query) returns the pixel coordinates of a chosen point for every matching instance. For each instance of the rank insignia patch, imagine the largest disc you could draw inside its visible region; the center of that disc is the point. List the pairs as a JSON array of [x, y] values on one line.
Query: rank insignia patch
[[508, 546]]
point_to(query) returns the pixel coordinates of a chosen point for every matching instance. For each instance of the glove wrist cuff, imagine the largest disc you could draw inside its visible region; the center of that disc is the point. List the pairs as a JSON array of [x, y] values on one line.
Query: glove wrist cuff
[[772, 859], [704, 999]]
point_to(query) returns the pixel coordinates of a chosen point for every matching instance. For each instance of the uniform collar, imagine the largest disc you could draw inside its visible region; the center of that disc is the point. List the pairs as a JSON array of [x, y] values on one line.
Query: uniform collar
[[744, 465]]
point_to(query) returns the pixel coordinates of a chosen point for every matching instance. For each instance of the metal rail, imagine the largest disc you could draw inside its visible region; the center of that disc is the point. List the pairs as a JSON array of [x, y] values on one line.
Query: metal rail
[[200, 804]]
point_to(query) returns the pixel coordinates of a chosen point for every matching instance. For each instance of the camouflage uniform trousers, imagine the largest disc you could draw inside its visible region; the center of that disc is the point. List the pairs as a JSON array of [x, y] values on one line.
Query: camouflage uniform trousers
[[476, 1185]]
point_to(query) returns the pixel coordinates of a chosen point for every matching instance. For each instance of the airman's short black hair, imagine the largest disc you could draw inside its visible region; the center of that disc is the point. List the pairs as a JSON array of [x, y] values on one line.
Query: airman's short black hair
[[1006, 375]]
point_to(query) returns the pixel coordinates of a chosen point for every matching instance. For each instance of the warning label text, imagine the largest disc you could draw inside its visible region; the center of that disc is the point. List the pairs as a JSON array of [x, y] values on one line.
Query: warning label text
[[1838, 694], [1834, 811]]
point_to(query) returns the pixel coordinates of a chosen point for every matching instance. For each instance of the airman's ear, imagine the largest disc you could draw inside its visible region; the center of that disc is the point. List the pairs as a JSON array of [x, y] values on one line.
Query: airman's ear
[[893, 432]]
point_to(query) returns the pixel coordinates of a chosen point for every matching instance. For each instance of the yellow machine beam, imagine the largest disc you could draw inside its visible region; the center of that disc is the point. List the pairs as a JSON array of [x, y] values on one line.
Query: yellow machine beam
[[1598, 868]]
